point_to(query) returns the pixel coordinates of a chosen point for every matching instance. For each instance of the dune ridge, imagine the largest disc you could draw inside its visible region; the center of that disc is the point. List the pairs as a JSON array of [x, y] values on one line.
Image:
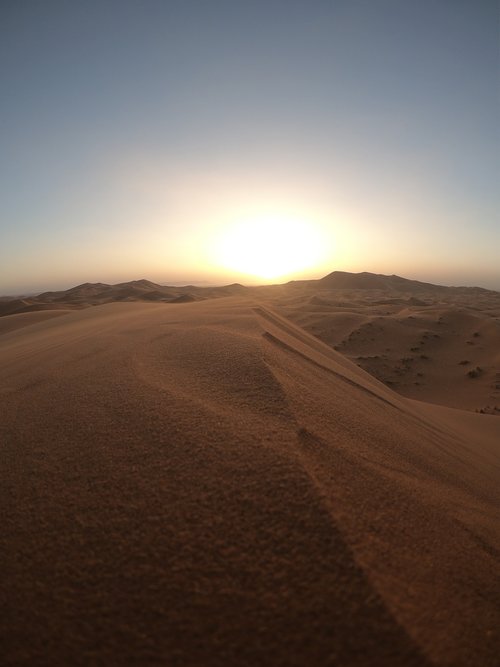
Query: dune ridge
[[94, 294], [207, 483], [428, 342]]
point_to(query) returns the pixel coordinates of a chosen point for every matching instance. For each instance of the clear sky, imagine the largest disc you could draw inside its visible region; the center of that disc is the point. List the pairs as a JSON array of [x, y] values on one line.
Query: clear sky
[[195, 141]]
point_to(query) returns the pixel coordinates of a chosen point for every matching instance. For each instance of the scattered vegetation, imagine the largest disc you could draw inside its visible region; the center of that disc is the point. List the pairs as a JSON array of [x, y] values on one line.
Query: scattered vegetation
[[489, 410]]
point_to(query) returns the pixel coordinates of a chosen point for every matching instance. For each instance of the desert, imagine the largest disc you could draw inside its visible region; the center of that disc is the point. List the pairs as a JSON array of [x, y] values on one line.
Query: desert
[[249, 333], [233, 479]]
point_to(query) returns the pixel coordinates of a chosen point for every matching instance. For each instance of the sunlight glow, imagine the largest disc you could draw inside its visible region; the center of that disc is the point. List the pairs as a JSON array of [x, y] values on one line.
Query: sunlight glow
[[268, 247]]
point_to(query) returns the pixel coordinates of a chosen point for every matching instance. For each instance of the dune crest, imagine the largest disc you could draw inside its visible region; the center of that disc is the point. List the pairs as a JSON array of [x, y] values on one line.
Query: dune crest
[[208, 481]]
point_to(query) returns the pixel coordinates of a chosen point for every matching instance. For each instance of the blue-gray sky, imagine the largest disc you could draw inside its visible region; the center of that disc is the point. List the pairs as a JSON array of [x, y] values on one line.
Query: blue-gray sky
[[136, 137]]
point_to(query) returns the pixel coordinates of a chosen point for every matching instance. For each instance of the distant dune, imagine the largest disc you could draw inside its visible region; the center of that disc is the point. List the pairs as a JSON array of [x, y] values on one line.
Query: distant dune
[[209, 484], [95, 294], [343, 280], [432, 343]]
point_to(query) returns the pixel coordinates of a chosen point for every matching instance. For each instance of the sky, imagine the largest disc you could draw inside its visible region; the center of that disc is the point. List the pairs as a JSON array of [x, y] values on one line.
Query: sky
[[209, 142]]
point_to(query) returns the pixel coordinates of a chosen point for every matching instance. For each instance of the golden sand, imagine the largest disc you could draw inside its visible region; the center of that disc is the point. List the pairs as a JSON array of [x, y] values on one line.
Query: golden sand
[[207, 483]]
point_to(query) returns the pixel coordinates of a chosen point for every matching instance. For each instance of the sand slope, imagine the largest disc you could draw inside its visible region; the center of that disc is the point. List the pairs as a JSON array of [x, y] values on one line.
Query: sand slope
[[207, 484], [428, 342], [442, 346]]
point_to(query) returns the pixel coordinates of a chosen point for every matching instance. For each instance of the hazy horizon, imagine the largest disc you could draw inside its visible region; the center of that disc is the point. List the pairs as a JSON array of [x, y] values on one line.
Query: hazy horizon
[[254, 143], [226, 281]]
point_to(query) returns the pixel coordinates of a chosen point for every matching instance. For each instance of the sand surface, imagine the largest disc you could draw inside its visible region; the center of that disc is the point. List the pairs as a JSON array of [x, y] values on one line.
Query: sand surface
[[206, 483], [434, 344]]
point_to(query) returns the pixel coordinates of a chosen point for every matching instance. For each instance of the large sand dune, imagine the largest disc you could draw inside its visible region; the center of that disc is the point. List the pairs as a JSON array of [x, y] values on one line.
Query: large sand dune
[[207, 484]]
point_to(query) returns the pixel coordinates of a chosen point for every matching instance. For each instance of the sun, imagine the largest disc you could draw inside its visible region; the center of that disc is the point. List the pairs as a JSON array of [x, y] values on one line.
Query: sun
[[268, 247]]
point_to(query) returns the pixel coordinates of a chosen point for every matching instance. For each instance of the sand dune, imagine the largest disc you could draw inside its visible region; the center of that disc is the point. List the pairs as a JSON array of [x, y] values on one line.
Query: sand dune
[[207, 483], [20, 320], [442, 346], [95, 294]]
